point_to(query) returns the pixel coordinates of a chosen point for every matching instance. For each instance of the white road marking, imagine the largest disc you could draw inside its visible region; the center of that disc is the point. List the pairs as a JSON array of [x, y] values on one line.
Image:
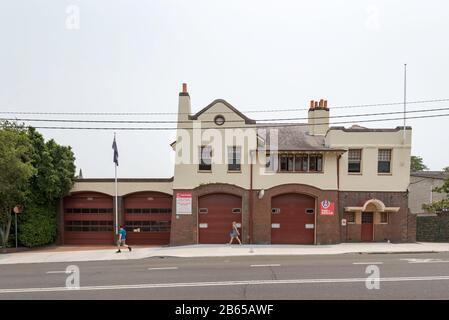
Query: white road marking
[[425, 260], [223, 283], [164, 268], [264, 265], [368, 262], [52, 272]]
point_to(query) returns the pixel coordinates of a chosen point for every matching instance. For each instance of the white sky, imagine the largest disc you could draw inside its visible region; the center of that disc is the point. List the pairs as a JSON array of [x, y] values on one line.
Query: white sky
[[132, 55]]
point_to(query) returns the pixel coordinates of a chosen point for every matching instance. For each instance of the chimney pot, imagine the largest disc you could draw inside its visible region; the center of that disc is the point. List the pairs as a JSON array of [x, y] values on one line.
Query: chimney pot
[[325, 104], [311, 104], [184, 87], [321, 103], [316, 104]]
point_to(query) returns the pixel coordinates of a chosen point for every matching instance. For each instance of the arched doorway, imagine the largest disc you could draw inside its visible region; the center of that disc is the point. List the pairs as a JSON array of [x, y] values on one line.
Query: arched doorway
[[216, 212]]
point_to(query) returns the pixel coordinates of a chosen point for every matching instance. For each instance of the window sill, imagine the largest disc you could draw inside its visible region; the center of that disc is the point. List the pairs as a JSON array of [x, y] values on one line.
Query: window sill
[[355, 174], [234, 171], [384, 174], [204, 171]]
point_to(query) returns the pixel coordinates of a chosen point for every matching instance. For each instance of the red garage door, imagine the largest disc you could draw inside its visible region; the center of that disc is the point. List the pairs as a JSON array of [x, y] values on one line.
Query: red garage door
[[148, 218], [292, 219], [216, 212], [88, 219]]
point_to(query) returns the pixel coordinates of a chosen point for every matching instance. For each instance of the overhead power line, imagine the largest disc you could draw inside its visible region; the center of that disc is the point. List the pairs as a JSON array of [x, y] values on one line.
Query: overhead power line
[[212, 121], [238, 127], [245, 111]]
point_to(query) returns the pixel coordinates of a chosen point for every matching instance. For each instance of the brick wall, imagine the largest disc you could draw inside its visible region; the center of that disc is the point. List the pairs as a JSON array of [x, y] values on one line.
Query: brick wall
[[433, 228]]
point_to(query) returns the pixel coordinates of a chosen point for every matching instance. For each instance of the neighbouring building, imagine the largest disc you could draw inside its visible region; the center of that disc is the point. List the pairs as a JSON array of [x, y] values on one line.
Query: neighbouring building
[[422, 184], [283, 183]]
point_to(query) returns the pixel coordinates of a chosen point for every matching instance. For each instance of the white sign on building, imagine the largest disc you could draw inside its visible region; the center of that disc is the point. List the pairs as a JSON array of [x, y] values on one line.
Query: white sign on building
[[184, 203]]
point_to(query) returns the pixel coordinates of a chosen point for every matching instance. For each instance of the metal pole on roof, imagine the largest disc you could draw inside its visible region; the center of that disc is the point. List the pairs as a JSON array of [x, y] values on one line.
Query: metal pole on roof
[[405, 98]]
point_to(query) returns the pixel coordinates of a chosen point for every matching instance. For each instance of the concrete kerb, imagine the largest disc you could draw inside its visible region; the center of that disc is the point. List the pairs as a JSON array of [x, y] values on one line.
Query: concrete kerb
[[202, 251]]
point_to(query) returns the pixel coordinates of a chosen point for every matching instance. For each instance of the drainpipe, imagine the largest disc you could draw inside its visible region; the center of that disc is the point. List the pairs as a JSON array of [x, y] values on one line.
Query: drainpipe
[[338, 197], [250, 229]]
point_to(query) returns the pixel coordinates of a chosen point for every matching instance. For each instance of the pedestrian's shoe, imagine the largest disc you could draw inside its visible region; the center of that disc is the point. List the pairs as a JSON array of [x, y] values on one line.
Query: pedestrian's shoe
[[118, 251], [129, 248]]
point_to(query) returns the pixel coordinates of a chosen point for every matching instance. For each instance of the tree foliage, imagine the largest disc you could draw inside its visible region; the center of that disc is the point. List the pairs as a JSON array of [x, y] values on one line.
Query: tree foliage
[[49, 176], [15, 171], [417, 164]]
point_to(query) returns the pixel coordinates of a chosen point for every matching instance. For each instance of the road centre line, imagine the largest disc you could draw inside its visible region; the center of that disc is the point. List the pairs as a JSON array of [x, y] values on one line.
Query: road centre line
[[164, 268], [264, 265], [368, 262], [223, 283], [52, 272]]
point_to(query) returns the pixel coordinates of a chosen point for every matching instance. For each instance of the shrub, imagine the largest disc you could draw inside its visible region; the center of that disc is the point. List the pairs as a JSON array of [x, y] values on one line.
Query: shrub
[[37, 227]]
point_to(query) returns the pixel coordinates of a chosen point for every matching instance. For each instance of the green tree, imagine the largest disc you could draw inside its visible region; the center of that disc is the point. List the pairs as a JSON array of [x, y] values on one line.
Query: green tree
[[15, 171], [55, 175], [417, 164]]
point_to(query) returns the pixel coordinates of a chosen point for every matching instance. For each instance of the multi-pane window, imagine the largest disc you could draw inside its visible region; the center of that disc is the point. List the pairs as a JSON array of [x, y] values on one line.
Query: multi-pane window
[[234, 158], [350, 217], [384, 217], [148, 226], [315, 162], [354, 160], [302, 162], [270, 162], [296, 163], [286, 162], [384, 161], [88, 226], [88, 210], [205, 158], [148, 210]]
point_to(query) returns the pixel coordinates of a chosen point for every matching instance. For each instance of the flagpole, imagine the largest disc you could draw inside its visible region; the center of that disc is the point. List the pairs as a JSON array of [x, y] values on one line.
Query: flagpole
[[405, 98], [116, 197]]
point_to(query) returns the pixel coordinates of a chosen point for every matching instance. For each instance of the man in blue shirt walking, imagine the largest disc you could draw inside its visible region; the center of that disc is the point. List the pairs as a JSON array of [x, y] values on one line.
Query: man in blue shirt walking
[[122, 240]]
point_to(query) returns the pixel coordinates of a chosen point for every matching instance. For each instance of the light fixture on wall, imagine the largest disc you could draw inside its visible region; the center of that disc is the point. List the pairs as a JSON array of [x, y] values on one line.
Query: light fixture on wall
[[260, 193]]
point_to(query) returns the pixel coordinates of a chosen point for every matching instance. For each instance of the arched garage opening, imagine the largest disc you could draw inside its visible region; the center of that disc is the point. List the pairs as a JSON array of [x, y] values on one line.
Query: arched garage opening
[[147, 217], [216, 212], [292, 219], [88, 219]]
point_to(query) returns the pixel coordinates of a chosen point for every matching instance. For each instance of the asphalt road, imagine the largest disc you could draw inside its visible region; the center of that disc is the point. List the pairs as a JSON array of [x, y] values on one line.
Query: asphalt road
[[402, 276]]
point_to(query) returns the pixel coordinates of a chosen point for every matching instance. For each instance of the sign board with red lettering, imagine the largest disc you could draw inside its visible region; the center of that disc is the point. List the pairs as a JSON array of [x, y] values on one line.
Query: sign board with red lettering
[[326, 208], [184, 203]]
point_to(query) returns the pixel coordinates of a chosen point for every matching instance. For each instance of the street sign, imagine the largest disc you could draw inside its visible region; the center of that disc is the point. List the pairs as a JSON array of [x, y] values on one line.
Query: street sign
[[184, 203]]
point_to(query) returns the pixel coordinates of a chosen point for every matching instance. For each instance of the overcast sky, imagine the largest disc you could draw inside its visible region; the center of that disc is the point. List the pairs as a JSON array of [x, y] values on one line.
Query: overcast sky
[[132, 56]]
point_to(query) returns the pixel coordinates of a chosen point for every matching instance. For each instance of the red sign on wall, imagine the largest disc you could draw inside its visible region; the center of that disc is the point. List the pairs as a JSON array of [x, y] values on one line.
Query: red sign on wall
[[326, 208]]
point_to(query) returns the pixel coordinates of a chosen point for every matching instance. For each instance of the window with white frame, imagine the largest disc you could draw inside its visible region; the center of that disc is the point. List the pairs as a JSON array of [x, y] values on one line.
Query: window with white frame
[[234, 158], [384, 161], [354, 160]]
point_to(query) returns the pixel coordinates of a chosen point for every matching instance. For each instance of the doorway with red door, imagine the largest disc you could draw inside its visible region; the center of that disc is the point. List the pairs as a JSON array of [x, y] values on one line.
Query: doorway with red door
[[367, 227]]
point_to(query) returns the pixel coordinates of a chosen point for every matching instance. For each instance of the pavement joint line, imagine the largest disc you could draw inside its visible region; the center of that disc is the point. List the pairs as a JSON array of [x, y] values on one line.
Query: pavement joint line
[[222, 283], [378, 262], [264, 265], [164, 268]]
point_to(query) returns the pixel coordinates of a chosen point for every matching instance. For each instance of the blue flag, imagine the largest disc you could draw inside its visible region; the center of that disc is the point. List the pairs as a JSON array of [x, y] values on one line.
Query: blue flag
[[114, 146]]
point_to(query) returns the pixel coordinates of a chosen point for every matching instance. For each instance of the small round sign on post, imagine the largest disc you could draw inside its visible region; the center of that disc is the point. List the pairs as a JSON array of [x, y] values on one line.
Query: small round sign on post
[[18, 209]]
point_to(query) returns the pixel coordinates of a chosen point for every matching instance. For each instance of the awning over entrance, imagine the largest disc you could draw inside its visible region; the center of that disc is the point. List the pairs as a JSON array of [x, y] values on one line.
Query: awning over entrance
[[372, 205]]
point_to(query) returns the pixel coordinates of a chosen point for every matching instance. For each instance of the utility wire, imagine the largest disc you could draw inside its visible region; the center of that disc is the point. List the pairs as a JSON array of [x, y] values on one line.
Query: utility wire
[[246, 111], [212, 121], [282, 125]]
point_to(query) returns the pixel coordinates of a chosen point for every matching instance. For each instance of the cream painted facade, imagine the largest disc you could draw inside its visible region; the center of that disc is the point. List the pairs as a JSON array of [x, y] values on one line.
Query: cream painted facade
[[370, 142], [107, 186]]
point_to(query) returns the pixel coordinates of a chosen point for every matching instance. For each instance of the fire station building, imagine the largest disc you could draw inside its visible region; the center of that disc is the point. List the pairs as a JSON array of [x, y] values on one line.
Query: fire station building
[[283, 183]]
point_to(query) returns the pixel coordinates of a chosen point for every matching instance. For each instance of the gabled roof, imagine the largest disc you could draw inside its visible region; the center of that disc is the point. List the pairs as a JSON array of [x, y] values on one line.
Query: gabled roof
[[227, 104]]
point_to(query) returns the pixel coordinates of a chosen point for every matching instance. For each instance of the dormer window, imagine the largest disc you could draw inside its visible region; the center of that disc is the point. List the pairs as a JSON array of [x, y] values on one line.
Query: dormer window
[[219, 120]]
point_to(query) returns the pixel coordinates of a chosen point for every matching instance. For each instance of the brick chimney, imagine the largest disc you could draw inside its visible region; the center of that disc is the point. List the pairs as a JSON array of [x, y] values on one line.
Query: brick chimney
[[184, 108], [318, 118]]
